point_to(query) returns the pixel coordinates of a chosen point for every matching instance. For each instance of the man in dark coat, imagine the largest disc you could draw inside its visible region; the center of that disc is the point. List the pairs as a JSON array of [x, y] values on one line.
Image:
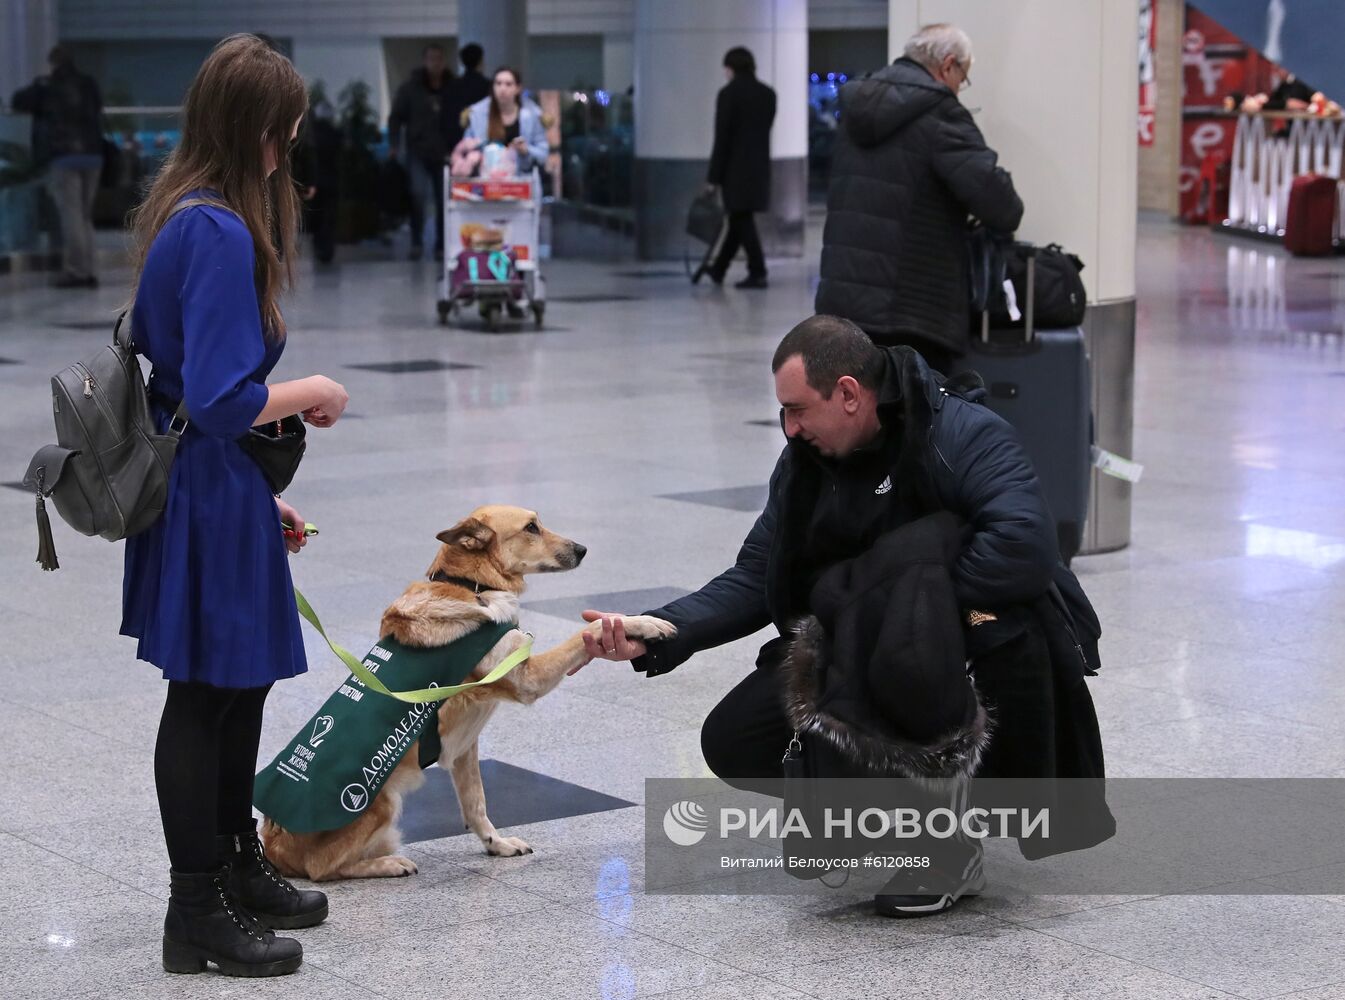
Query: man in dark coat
[[419, 120], [910, 167], [315, 165], [68, 140], [467, 89], [878, 441], [740, 165]]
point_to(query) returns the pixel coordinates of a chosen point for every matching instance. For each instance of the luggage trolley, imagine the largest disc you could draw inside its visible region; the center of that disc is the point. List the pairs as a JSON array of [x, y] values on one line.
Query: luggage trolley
[[491, 237]]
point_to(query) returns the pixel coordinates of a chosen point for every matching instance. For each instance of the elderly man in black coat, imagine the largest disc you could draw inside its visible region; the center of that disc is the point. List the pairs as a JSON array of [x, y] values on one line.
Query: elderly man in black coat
[[740, 166], [910, 167], [878, 444]]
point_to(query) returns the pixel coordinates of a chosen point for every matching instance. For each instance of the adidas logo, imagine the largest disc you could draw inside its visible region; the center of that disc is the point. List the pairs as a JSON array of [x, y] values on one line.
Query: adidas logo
[[884, 487]]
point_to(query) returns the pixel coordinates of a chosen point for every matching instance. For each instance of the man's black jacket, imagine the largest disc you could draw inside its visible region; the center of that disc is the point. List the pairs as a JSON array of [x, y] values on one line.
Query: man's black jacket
[[954, 455]]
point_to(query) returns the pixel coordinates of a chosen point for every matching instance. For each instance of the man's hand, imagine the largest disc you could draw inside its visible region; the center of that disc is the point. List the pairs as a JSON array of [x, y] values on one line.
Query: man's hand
[[610, 643]]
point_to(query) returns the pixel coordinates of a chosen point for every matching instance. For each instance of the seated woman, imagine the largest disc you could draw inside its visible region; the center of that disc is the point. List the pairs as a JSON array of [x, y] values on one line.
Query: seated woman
[[504, 119]]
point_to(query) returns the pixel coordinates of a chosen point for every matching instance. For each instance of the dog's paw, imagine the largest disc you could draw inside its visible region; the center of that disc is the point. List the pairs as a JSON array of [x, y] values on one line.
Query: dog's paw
[[395, 866], [507, 847], [647, 628]]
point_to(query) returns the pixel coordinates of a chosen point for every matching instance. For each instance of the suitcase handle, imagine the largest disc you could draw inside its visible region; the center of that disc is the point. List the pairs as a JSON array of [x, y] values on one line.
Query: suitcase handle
[[1029, 312]]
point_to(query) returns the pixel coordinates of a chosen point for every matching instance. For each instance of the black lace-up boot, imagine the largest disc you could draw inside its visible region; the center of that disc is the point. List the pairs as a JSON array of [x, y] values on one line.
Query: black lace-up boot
[[206, 924], [262, 890]]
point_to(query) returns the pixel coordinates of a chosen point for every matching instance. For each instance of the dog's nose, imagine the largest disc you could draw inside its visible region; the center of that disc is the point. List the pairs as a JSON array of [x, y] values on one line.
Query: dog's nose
[[579, 552]]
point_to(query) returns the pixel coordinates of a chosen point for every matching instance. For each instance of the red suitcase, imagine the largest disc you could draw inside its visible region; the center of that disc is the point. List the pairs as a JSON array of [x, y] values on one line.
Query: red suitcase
[[1310, 224]]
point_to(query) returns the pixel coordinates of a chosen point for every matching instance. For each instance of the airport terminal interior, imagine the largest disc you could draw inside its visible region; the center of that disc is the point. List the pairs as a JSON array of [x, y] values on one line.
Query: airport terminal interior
[[641, 420]]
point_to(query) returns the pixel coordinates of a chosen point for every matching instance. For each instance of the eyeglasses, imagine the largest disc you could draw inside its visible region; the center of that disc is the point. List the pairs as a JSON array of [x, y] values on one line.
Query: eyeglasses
[[966, 78]]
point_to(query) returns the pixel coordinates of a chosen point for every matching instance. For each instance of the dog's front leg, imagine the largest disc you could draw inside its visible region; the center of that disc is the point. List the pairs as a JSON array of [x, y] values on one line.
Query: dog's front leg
[[544, 671], [466, 771]]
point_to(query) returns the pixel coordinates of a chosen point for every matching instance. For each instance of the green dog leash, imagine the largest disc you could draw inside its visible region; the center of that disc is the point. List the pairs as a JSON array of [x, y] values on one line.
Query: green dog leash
[[370, 680]]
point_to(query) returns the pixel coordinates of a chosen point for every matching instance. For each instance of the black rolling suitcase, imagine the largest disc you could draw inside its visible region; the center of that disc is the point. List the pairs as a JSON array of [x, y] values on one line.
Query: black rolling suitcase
[[1040, 381]]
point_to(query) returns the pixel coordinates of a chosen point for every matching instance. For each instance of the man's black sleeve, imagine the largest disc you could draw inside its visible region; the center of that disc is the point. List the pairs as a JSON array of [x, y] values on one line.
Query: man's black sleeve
[[26, 98], [972, 172], [986, 477], [729, 607], [398, 116], [723, 131]]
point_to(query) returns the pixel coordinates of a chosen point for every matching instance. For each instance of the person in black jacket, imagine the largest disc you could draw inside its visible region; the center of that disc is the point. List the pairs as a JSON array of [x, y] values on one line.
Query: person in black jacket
[[419, 116], [467, 89], [315, 165], [910, 167], [67, 139], [740, 166], [877, 441]]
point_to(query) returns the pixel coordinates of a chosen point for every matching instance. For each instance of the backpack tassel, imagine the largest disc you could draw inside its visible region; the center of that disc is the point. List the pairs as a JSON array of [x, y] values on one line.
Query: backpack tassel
[[46, 547]]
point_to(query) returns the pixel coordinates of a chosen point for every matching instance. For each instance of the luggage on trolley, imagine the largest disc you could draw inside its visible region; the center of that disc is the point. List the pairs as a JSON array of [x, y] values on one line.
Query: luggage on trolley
[[492, 232]]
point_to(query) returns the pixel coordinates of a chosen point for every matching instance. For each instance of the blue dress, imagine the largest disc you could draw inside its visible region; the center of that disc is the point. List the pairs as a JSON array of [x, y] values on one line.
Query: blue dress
[[207, 588]]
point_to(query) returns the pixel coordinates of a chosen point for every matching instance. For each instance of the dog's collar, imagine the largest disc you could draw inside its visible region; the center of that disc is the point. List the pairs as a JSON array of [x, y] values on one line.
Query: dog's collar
[[476, 586]]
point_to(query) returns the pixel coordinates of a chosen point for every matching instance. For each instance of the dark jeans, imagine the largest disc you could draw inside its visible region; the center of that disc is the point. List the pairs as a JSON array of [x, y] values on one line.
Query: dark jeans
[[745, 736], [320, 220], [742, 232], [427, 181]]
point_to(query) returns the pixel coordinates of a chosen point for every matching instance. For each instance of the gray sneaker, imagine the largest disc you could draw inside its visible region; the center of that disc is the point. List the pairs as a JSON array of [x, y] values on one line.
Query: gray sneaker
[[939, 897]]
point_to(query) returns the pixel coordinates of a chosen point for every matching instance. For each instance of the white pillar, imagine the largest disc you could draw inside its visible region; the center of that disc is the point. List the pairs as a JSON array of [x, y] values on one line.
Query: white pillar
[[339, 61], [618, 63], [679, 53], [1056, 84], [500, 27], [27, 33]]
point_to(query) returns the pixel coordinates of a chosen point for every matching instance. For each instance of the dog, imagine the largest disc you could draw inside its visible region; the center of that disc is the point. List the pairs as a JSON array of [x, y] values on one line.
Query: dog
[[476, 577]]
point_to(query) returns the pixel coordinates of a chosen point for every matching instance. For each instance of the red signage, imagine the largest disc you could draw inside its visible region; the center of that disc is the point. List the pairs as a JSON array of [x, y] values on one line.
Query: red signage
[[1148, 39], [492, 190]]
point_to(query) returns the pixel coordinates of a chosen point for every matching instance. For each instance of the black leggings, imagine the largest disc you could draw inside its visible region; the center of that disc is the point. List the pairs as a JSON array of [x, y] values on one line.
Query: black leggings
[[204, 763]]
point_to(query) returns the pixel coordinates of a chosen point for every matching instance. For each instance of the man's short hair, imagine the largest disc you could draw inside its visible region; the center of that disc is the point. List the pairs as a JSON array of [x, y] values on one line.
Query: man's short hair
[[471, 55], [831, 348], [59, 56], [934, 43], [431, 47], [741, 61]]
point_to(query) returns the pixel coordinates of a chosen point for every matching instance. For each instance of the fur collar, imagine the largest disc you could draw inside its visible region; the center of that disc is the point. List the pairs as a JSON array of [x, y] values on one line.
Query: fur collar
[[957, 755]]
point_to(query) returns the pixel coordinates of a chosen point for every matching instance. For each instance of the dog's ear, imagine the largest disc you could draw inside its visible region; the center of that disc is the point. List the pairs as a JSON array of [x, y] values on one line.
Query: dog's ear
[[471, 534]]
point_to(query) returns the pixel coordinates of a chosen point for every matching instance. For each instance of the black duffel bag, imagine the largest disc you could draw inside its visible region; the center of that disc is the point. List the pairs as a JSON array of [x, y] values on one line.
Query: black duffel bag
[[1060, 296]]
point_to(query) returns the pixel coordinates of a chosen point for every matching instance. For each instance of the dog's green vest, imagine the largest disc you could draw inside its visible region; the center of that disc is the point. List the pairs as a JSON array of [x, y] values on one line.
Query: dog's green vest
[[335, 766]]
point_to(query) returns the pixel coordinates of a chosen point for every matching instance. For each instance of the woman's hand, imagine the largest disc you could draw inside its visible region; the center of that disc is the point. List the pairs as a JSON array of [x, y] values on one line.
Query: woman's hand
[[520, 144], [295, 539], [332, 400]]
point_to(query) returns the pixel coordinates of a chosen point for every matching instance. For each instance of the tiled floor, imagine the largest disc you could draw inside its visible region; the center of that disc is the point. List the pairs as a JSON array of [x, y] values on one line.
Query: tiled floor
[[642, 424]]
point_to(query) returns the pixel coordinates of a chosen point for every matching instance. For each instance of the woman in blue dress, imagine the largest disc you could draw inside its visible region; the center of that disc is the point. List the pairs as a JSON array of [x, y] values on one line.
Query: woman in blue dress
[[207, 589]]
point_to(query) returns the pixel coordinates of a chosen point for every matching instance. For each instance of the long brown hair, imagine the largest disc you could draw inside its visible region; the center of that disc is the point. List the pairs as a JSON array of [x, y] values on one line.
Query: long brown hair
[[244, 91], [495, 128]]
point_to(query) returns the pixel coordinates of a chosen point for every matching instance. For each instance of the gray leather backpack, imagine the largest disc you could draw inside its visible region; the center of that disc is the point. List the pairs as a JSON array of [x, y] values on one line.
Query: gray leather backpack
[[108, 471]]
